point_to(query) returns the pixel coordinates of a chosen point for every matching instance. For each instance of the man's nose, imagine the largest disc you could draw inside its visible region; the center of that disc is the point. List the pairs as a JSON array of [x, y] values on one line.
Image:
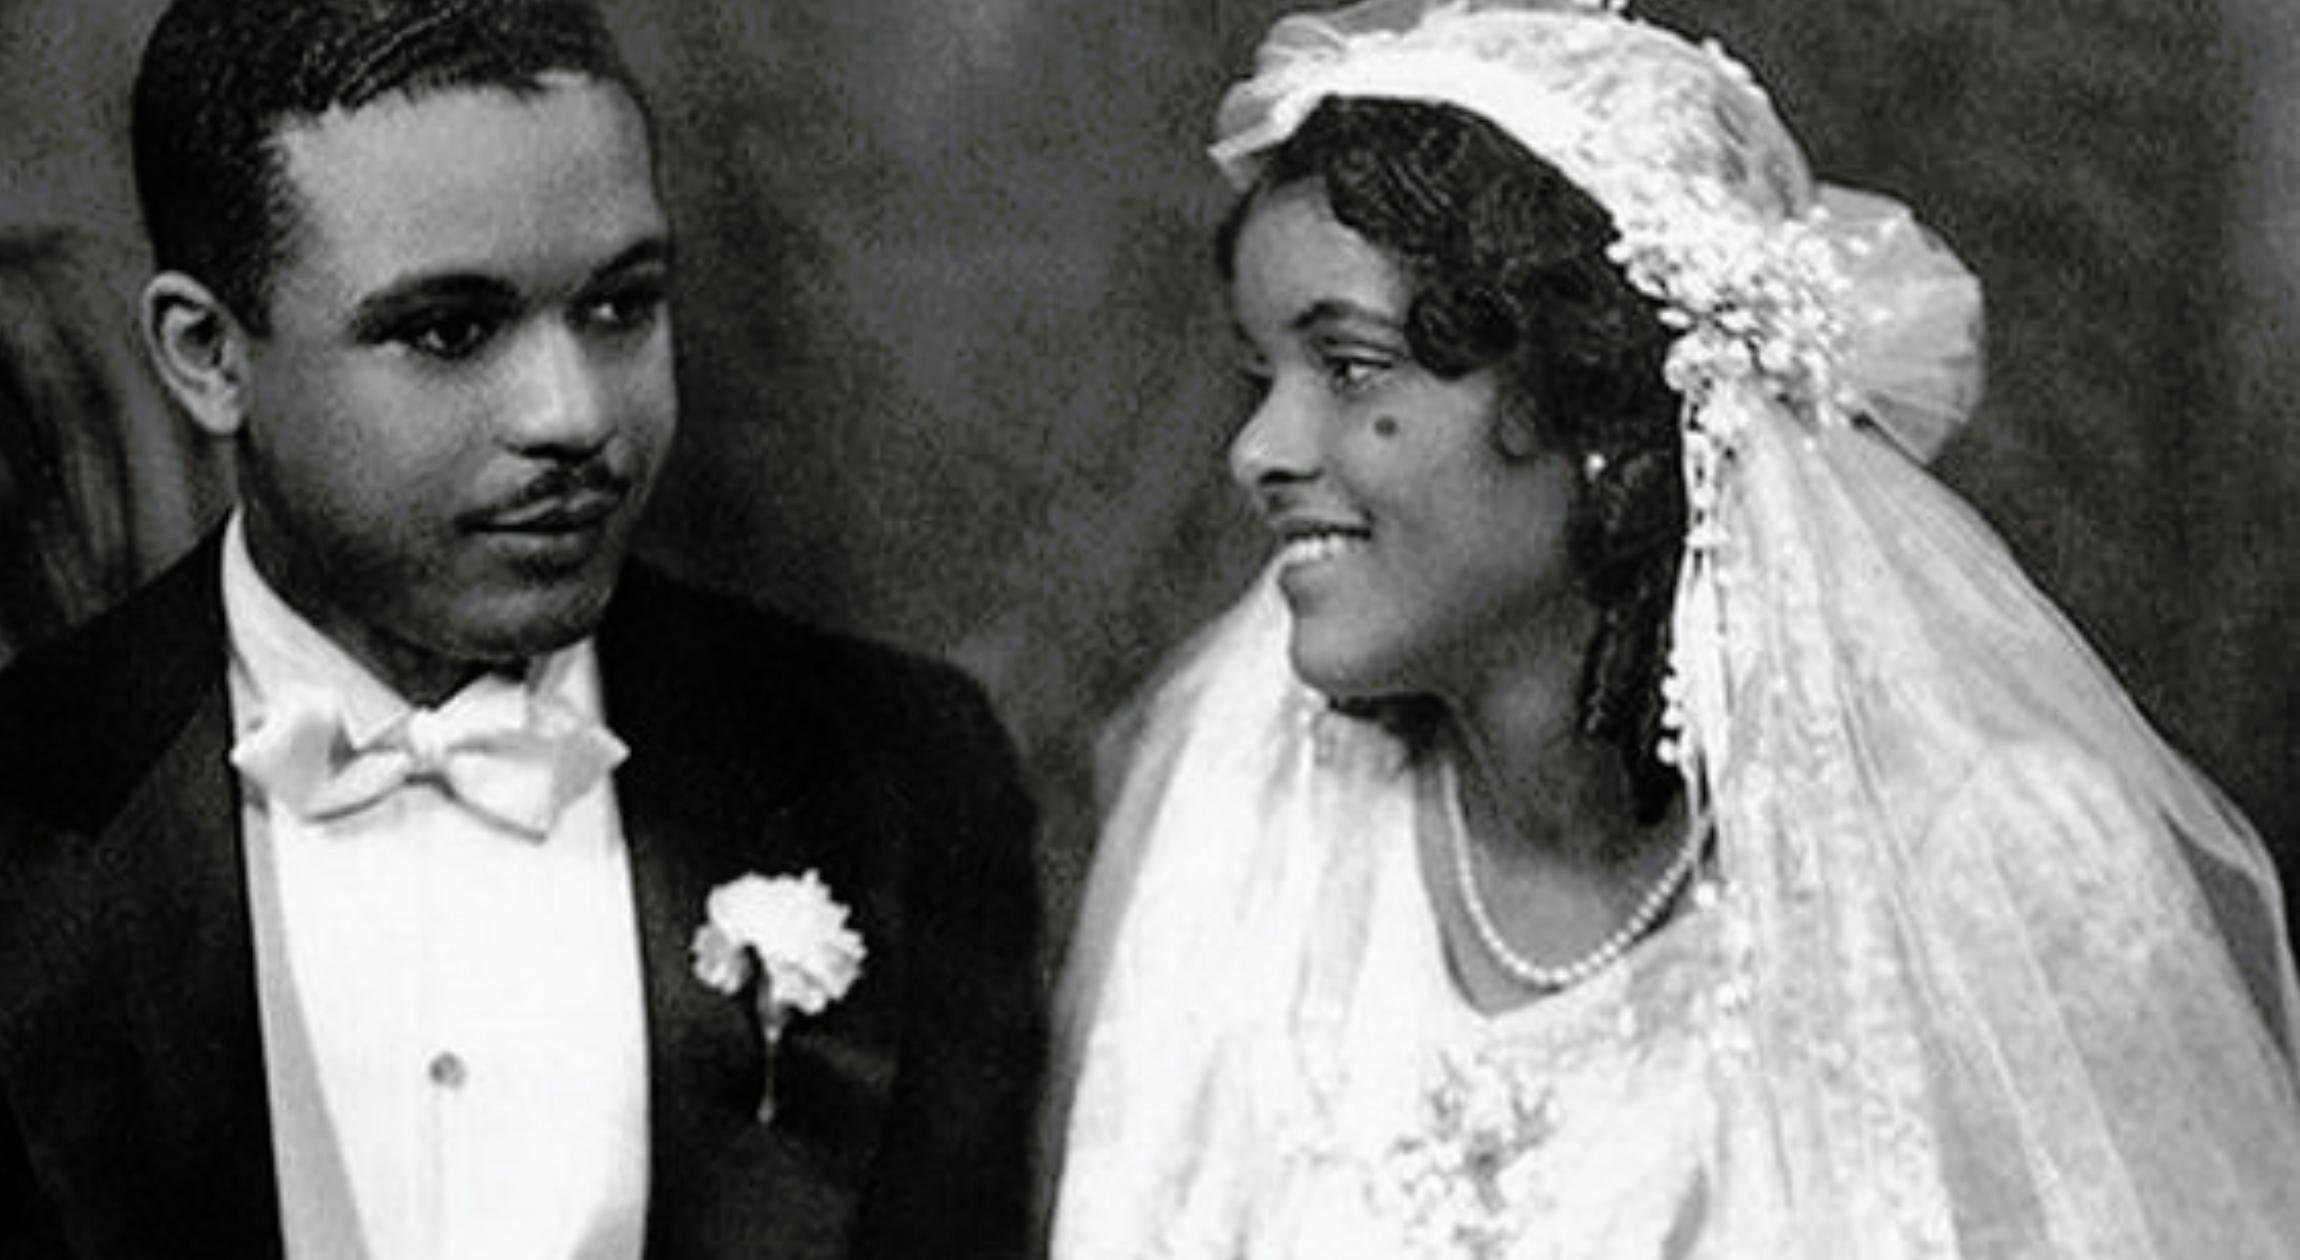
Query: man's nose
[[561, 400], [1277, 443]]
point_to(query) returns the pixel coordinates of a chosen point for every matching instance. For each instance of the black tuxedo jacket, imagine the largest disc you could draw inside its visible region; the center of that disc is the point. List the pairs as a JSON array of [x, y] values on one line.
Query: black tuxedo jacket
[[133, 1118]]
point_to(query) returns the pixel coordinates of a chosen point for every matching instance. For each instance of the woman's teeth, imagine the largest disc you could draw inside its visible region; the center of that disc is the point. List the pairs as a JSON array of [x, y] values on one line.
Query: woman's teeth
[[1309, 547]]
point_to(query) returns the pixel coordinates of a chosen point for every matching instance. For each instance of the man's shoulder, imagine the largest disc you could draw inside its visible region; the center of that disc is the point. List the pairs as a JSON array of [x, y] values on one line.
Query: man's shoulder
[[80, 715], [673, 633]]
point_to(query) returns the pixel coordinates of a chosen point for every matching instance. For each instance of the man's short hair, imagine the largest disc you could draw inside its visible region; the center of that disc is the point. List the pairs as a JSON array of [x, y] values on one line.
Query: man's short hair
[[220, 78]]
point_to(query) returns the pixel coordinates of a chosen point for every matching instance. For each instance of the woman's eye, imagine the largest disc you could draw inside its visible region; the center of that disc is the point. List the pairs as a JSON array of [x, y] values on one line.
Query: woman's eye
[[625, 310], [1350, 373], [1253, 369]]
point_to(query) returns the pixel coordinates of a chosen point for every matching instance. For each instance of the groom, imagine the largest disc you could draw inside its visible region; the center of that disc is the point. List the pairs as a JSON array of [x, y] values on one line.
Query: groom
[[349, 873]]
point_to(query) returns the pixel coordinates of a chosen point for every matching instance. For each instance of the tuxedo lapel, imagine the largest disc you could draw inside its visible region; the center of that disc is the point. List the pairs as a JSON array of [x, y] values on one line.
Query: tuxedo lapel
[[703, 1063], [131, 1027], [716, 788]]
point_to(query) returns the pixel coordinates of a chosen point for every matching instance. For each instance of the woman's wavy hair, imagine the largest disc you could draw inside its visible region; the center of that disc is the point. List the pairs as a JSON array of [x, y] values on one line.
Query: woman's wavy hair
[[1507, 259]]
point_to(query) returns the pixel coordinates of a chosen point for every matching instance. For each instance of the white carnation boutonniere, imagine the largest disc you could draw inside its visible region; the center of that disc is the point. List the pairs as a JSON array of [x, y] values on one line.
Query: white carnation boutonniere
[[787, 938]]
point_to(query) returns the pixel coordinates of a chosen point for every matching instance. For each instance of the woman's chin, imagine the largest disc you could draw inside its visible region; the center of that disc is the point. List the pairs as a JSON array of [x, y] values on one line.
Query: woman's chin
[[1345, 673]]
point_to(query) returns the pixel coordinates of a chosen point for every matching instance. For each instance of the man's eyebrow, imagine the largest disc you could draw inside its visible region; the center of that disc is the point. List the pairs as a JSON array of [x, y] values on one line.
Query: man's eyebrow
[[376, 313], [372, 318]]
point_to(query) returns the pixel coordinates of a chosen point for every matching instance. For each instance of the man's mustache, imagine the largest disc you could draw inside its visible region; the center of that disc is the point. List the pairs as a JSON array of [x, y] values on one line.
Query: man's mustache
[[590, 487]]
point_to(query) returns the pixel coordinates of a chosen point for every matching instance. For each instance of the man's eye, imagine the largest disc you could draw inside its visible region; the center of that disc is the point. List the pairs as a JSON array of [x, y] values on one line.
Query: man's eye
[[450, 336]]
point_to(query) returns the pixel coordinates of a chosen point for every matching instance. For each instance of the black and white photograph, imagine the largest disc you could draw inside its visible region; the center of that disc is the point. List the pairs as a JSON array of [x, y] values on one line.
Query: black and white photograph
[[1188, 630]]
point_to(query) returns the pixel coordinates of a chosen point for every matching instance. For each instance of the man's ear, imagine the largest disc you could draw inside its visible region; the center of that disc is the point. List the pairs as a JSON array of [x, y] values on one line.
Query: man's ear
[[200, 350]]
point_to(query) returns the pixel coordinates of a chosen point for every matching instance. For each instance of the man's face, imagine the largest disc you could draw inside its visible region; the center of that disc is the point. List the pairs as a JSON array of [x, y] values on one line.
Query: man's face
[[466, 389]]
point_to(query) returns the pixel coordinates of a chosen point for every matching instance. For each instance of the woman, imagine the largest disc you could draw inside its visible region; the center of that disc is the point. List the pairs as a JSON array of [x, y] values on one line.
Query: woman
[[1640, 813]]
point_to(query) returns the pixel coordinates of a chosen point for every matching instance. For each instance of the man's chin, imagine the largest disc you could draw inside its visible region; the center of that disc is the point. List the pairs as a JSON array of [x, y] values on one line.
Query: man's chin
[[529, 620]]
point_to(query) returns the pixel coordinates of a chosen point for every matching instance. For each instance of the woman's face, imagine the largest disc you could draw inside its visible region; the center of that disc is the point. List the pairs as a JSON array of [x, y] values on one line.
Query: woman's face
[[1416, 556]]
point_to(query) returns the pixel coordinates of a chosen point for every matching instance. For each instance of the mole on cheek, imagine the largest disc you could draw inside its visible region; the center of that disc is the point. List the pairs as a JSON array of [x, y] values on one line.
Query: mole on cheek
[[1385, 426]]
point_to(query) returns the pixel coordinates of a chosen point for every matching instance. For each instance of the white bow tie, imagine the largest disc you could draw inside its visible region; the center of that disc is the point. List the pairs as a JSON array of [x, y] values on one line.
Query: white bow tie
[[512, 758]]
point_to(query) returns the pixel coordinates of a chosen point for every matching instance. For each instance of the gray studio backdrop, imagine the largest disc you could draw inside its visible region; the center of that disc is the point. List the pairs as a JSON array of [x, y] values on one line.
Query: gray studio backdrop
[[955, 366]]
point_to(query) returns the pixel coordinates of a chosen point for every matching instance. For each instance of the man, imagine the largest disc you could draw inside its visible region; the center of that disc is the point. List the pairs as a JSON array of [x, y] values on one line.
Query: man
[[349, 872]]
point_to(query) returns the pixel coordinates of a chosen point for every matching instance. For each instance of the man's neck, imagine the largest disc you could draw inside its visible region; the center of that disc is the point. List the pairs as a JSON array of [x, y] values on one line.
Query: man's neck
[[421, 677]]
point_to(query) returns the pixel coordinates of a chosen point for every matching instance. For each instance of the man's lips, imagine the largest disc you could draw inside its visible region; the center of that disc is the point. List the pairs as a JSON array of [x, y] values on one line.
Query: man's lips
[[556, 514]]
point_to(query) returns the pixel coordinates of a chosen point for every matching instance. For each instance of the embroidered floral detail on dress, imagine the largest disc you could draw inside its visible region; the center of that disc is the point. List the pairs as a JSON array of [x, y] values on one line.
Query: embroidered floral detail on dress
[[1457, 1181]]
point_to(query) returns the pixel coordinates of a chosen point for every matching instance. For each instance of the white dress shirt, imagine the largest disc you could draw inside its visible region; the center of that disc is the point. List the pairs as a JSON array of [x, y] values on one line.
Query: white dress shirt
[[453, 1013]]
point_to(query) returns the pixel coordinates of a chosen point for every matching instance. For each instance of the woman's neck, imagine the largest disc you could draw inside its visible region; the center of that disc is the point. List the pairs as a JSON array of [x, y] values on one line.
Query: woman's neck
[[1538, 789], [1526, 766], [1545, 845]]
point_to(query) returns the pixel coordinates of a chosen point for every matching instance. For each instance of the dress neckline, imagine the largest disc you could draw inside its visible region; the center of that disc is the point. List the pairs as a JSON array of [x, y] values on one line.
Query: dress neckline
[[1425, 939]]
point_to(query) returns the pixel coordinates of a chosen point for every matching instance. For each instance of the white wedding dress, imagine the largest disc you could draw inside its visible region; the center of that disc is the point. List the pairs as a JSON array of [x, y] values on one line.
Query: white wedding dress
[[1574, 1126]]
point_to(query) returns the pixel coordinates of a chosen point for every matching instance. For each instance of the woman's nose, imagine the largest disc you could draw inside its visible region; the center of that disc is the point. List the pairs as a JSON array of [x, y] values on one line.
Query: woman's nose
[[1277, 442]]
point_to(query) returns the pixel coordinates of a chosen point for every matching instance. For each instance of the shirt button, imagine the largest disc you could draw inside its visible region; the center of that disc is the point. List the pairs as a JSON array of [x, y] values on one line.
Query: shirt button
[[447, 1070]]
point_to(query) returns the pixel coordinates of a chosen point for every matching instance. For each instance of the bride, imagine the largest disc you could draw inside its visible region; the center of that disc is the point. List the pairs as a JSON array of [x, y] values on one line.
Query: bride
[[1639, 813]]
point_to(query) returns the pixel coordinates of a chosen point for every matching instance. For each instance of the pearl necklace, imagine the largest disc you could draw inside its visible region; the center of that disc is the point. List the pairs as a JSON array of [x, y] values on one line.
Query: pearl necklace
[[1524, 970]]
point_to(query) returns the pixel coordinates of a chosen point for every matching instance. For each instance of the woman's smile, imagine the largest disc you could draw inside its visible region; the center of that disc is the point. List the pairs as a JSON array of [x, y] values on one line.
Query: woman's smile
[[1309, 551]]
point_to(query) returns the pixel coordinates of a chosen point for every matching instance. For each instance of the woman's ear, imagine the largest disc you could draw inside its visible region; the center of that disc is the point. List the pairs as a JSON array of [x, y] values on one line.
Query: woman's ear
[[1515, 433], [200, 350]]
